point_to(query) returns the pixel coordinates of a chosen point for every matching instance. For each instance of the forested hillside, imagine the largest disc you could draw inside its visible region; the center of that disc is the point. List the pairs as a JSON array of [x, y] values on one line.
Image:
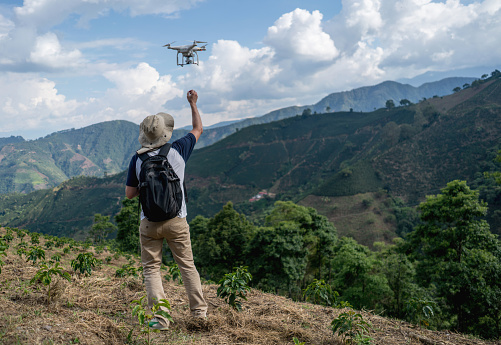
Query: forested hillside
[[351, 166], [104, 148]]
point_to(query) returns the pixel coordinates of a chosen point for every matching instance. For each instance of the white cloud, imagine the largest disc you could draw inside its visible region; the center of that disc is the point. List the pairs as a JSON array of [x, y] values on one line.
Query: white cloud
[[299, 35], [28, 101], [44, 14], [48, 52]]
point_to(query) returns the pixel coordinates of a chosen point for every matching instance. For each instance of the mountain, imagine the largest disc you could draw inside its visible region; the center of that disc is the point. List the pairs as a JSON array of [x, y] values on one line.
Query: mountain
[[105, 148], [347, 165], [10, 140], [95, 150]]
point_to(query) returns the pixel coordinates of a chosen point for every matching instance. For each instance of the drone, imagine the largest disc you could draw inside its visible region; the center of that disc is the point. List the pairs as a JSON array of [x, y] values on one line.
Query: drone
[[188, 51]]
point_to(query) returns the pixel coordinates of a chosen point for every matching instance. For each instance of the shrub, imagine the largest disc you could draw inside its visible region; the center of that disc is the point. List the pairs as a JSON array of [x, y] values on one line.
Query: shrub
[[420, 311], [34, 254], [144, 318], [3, 248], [319, 292], [45, 276], [126, 271], [352, 327], [235, 285], [84, 263], [174, 273]]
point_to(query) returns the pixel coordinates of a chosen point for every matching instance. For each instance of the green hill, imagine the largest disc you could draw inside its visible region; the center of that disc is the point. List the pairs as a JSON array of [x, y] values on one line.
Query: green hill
[[318, 160]]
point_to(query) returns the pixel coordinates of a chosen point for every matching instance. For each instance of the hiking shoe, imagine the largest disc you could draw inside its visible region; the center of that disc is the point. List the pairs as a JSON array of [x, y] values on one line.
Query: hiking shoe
[[159, 324]]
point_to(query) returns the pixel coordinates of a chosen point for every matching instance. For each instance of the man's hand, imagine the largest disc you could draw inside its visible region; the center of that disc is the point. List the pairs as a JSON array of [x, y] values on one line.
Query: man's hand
[[197, 130], [192, 97]]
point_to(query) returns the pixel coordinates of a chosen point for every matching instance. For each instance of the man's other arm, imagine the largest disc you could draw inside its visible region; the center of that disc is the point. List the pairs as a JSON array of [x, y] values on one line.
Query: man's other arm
[[131, 192], [195, 116]]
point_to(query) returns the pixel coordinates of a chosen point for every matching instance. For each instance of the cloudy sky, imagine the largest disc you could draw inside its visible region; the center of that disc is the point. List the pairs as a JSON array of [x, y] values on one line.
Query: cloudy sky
[[68, 64]]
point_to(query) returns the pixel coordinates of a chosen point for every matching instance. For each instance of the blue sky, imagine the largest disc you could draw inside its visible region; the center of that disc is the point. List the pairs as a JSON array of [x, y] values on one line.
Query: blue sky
[[68, 64]]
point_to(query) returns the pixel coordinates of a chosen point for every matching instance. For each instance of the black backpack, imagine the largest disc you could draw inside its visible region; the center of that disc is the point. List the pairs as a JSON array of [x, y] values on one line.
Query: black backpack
[[160, 194]]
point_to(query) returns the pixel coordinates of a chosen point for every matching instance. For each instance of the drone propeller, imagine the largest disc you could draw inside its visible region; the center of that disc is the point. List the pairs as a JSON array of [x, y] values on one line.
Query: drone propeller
[[199, 42], [168, 44]]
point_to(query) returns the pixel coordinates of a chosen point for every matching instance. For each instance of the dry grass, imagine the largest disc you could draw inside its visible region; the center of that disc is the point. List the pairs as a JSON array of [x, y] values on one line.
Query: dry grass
[[96, 310]]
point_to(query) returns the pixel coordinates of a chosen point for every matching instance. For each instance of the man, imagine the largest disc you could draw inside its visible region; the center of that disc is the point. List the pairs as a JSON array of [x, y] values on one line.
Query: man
[[155, 131]]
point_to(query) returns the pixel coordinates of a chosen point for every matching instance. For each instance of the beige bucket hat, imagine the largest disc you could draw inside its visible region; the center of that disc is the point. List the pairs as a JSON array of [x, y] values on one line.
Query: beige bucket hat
[[155, 131]]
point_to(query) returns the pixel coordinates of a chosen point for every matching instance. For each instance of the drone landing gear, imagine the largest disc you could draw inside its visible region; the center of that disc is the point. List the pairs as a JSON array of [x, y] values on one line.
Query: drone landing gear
[[189, 59]]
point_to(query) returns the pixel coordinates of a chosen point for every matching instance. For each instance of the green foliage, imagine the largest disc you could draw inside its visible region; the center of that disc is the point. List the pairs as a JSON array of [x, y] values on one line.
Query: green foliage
[[45, 276], [126, 271], [127, 224], [3, 248], [234, 286], [297, 342], [352, 327], [174, 273], [8, 237], [420, 311], [85, 263], [358, 276], [459, 255], [101, 228], [145, 318], [321, 293], [221, 241], [35, 238], [35, 253], [56, 257]]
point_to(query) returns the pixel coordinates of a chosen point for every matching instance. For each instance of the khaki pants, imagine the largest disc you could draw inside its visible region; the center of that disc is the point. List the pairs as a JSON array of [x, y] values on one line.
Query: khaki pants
[[177, 233]]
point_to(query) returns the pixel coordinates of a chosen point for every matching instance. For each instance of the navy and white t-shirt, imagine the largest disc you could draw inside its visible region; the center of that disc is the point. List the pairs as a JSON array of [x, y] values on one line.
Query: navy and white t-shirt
[[178, 155]]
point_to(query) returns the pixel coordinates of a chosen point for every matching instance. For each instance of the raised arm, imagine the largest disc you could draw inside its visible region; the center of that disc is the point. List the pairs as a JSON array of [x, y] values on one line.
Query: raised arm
[[195, 116]]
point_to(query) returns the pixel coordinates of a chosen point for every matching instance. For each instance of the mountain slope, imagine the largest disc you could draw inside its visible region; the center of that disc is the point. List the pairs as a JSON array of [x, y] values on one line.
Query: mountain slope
[[408, 151], [105, 148]]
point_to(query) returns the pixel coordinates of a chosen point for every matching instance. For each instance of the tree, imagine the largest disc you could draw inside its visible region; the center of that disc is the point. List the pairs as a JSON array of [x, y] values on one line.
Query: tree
[[484, 76], [390, 104], [128, 225], [466, 85], [328, 109], [405, 102], [101, 228], [456, 252], [221, 241], [456, 89], [307, 112], [357, 277]]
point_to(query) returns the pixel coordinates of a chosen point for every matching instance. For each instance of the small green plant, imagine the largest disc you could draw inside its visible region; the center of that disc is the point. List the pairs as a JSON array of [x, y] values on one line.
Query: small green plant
[[108, 259], [49, 244], [45, 276], [20, 234], [319, 292], [35, 238], [145, 319], [126, 271], [56, 257], [352, 327], [297, 342], [3, 248], [174, 273], [8, 237], [84, 263], [234, 286], [66, 250], [420, 311], [35, 254]]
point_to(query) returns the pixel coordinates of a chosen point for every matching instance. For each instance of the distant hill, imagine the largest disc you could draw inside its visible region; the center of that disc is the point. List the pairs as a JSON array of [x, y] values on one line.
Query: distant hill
[[92, 151], [319, 160], [105, 148], [10, 140]]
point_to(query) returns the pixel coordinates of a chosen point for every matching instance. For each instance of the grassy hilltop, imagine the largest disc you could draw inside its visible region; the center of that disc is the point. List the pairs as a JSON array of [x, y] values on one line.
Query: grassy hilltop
[[96, 309]]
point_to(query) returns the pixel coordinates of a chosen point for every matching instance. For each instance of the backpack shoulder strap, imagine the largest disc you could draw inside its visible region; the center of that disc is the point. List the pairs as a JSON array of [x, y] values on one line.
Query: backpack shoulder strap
[[164, 150]]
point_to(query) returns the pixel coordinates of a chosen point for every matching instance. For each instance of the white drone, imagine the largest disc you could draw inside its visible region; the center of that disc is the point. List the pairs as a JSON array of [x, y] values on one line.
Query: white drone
[[188, 51]]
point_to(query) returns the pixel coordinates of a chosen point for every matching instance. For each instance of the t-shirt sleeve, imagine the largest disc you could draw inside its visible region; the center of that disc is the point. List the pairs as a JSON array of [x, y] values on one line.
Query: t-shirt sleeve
[[185, 145], [131, 173]]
